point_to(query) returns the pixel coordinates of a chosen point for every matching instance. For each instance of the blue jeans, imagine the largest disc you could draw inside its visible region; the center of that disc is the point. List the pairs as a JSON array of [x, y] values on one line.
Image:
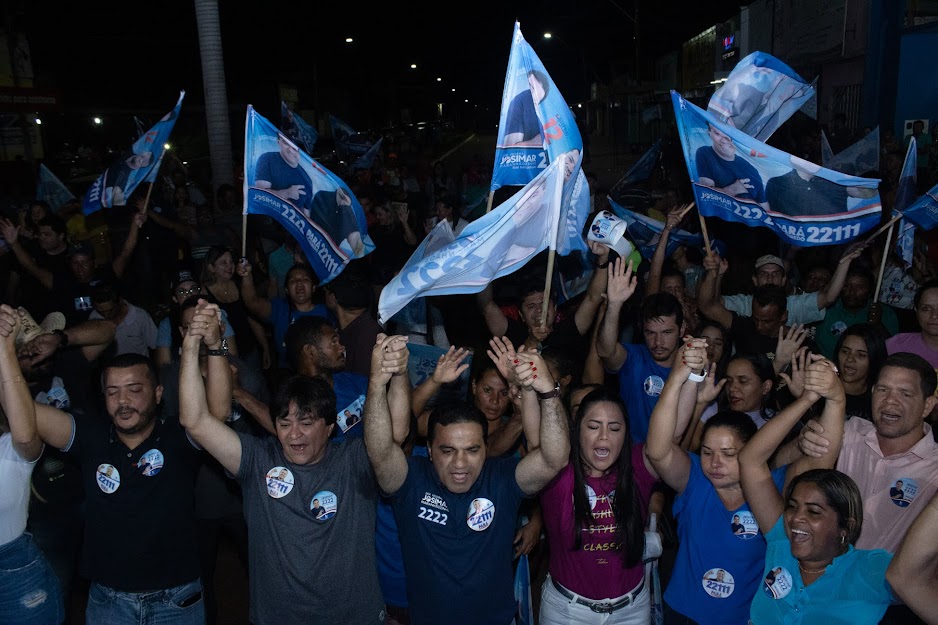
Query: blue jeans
[[29, 590], [182, 605]]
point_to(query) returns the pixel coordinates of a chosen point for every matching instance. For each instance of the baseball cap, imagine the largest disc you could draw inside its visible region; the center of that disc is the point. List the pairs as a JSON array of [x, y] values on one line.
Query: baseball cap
[[769, 259], [183, 276]]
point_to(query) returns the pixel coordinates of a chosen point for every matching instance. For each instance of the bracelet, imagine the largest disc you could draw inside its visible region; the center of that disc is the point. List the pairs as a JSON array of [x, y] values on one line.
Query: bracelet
[[13, 380], [697, 377], [555, 392], [601, 265]]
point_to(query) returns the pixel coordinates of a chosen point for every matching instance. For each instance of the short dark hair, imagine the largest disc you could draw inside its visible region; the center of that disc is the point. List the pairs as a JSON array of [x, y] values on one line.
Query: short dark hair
[[131, 359], [926, 373], [739, 422], [312, 396], [452, 413], [352, 289], [304, 268], [769, 294], [56, 223], [103, 292], [842, 495], [669, 270], [304, 331], [931, 284], [661, 305], [860, 270]]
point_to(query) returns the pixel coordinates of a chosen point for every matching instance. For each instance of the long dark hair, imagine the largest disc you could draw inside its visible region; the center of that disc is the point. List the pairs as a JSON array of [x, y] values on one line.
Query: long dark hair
[[875, 341], [627, 507], [764, 370]]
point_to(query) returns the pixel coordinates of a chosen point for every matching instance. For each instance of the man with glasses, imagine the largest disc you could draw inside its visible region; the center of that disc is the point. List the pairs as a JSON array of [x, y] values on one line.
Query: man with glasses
[[184, 286]]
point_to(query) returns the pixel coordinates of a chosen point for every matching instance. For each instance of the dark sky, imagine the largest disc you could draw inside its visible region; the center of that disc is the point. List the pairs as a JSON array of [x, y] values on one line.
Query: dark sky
[[116, 55]]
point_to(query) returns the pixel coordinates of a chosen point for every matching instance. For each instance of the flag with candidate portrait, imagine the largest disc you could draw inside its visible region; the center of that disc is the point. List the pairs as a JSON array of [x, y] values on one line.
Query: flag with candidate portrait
[[494, 245], [348, 141], [905, 196], [856, 160], [366, 160], [759, 95], [314, 205], [923, 212], [737, 178], [136, 165], [641, 170], [297, 129], [645, 232], [51, 190]]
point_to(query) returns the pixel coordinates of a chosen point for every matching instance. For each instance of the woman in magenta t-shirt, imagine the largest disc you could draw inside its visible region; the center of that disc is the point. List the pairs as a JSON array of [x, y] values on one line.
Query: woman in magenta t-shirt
[[594, 516]]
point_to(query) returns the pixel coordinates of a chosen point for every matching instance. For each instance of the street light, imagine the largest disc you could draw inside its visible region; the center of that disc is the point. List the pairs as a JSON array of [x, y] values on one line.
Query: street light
[[349, 40], [166, 146], [97, 121], [438, 79], [413, 66], [38, 122]]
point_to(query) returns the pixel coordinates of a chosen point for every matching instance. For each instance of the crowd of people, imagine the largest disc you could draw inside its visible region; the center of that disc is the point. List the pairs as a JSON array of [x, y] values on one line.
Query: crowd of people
[[164, 391]]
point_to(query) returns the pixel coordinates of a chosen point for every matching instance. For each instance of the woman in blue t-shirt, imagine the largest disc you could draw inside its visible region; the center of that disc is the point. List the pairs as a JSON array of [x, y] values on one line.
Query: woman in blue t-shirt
[[721, 552]]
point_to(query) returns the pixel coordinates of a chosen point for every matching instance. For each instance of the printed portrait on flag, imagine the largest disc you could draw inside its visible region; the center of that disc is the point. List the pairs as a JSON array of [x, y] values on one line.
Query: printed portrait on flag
[[740, 179], [311, 202]]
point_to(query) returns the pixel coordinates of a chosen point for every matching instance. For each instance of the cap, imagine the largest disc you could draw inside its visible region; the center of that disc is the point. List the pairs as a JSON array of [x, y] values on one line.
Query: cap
[[183, 276], [29, 329], [610, 231], [769, 259], [80, 248]]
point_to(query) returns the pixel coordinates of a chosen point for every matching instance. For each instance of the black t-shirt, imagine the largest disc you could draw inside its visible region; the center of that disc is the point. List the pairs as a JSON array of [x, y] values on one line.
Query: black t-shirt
[[565, 335], [140, 531], [37, 299], [73, 299], [747, 341]]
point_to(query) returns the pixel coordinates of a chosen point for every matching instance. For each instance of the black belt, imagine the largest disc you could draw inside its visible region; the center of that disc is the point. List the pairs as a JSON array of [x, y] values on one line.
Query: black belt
[[602, 607]]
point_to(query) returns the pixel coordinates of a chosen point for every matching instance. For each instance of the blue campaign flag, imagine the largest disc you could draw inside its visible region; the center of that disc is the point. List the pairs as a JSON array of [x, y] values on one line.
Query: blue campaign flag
[[296, 128], [494, 245], [738, 178], [905, 196], [645, 232], [314, 205], [524, 609], [348, 142], [366, 160], [641, 170], [536, 125], [136, 165], [759, 95], [923, 212], [856, 160], [51, 190]]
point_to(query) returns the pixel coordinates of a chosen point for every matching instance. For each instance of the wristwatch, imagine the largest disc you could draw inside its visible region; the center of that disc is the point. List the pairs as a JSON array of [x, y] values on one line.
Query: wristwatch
[[222, 351], [550, 394]]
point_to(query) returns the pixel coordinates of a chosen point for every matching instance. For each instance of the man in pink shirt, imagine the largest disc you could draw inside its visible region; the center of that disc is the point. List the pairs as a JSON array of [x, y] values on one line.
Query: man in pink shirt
[[925, 342]]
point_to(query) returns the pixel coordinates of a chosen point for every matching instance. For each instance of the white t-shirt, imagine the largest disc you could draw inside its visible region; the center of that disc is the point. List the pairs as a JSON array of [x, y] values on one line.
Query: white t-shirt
[[14, 490]]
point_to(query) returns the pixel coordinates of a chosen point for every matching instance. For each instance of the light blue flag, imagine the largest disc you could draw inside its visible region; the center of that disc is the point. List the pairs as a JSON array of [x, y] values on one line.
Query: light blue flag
[[923, 212], [524, 610], [296, 128], [906, 192], [348, 142], [738, 178], [645, 232], [51, 190], [314, 205], [641, 170], [366, 160], [494, 245], [759, 95], [137, 165], [856, 160]]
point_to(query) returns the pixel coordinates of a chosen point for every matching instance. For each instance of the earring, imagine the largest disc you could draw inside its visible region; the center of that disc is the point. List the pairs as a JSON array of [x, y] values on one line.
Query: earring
[[843, 537]]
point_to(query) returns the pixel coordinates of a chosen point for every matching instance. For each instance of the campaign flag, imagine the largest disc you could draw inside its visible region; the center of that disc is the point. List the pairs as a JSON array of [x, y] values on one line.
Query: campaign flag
[[314, 205], [641, 170], [645, 232], [494, 245], [366, 160], [535, 125], [759, 95], [737, 178], [296, 128], [348, 142], [905, 196], [51, 190], [923, 212], [524, 609], [136, 165], [856, 160]]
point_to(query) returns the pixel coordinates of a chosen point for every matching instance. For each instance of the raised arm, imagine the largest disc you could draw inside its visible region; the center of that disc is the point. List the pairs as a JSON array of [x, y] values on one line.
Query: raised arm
[[18, 405], [586, 311], [218, 385], [203, 427], [542, 464], [399, 393], [495, 319], [449, 367], [259, 306], [913, 573], [620, 287], [119, 264], [10, 234], [830, 294], [708, 293], [386, 456], [653, 285]]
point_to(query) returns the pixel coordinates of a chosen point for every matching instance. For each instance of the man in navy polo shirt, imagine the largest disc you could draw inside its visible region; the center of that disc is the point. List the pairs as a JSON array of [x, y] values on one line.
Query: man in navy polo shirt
[[456, 510]]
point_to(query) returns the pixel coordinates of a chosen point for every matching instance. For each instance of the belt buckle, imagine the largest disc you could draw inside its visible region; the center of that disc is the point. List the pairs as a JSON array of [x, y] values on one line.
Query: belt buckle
[[604, 607]]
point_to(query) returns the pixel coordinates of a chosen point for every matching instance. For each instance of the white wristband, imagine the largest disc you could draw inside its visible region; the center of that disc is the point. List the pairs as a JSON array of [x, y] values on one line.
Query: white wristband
[[697, 377]]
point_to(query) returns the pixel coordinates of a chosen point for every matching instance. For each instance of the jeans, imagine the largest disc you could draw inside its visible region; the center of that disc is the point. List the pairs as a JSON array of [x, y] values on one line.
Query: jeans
[[182, 605], [558, 610], [29, 590]]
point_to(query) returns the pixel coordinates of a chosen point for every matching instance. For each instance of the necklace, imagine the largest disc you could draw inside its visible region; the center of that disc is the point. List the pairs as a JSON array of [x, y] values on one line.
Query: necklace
[[813, 572]]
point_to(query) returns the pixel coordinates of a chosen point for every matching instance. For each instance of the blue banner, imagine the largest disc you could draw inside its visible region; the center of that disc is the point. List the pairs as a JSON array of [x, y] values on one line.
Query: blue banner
[[136, 165], [535, 125], [738, 178], [641, 170], [297, 130], [524, 610], [494, 245], [645, 232], [923, 212], [348, 142], [906, 191], [759, 95], [51, 190], [856, 160], [314, 205], [366, 160]]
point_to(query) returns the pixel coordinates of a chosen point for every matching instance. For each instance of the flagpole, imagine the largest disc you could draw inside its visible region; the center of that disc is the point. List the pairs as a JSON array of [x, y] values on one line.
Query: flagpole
[[488, 205], [882, 264], [882, 229], [552, 248], [156, 170], [703, 230]]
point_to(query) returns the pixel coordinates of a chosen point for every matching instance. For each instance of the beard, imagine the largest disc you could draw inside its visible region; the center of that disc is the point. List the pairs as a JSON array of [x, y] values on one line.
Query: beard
[[146, 419]]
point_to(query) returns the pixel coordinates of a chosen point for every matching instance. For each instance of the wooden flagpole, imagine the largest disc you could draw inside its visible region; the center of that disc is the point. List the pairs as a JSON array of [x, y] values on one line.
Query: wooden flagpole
[[882, 264]]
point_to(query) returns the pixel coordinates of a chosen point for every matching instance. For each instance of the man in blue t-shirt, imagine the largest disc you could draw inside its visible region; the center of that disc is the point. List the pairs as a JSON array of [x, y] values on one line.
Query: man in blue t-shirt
[[281, 174], [456, 510], [642, 369], [719, 167]]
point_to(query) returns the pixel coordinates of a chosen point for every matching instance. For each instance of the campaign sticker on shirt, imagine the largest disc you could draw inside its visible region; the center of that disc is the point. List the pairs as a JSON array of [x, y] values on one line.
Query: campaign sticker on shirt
[[777, 583], [481, 514], [324, 505], [653, 385], [837, 328], [108, 478], [351, 415], [279, 482], [591, 495], [151, 462], [902, 492], [744, 525], [718, 583]]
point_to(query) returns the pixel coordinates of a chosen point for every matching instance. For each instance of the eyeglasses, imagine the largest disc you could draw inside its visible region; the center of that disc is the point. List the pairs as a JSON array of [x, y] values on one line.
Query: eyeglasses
[[190, 291]]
